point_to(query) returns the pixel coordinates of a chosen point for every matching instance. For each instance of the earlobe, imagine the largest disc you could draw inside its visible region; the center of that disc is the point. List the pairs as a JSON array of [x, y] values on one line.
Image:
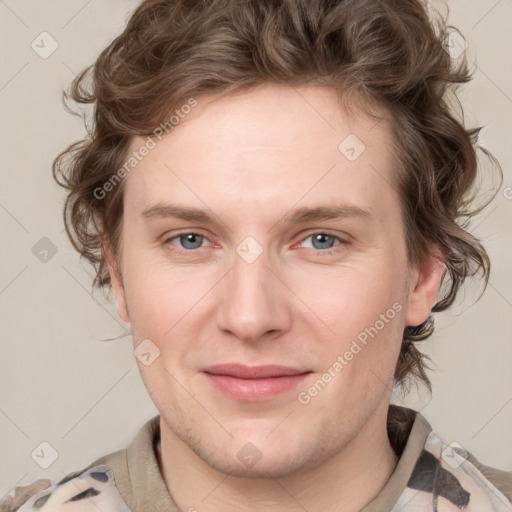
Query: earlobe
[[425, 282], [117, 285]]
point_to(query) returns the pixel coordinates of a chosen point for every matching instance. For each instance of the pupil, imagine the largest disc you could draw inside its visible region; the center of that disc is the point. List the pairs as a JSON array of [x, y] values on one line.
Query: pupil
[[191, 241], [319, 241]]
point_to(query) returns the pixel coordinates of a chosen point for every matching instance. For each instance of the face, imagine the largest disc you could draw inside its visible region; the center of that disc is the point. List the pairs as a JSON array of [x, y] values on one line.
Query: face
[[264, 269]]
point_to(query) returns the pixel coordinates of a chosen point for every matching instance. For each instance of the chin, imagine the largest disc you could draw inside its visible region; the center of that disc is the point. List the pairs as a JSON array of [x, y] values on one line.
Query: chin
[[266, 467], [264, 458]]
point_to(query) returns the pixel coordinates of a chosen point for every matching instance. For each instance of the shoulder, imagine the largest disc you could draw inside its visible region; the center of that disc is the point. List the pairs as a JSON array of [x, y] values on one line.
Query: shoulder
[[93, 487], [453, 477], [20, 494], [500, 479], [105, 484], [442, 477]]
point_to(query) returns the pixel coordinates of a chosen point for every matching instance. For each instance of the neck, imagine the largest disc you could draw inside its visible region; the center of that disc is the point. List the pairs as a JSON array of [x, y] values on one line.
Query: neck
[[346, 482]]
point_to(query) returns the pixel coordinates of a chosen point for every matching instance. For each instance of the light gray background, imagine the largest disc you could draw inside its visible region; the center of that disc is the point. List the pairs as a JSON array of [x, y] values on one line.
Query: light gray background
[[61, 385]]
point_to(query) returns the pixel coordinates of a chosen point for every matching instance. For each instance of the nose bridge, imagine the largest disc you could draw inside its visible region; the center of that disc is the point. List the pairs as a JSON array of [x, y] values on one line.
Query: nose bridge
[[251, 302]]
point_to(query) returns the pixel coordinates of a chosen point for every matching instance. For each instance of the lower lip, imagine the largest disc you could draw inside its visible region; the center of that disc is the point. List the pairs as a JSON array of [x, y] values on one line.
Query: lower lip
[[254, 389]]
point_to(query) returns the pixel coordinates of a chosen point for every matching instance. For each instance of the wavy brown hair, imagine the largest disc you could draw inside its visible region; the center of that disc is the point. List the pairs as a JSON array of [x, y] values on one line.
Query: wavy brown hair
[[388, 53]]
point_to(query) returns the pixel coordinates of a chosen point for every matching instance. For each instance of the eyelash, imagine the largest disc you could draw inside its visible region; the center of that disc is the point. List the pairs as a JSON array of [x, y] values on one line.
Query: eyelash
[[342, 241]]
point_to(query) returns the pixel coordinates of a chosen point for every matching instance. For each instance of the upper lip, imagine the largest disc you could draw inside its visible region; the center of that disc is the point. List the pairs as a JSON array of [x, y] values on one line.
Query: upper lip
[[241, 371]]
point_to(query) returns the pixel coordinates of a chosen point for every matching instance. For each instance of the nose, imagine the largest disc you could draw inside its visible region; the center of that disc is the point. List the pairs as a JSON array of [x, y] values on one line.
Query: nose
[[253, 304]]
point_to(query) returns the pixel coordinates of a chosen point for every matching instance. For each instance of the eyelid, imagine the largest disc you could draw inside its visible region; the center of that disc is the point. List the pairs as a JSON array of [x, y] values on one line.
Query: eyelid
[[325, 232]]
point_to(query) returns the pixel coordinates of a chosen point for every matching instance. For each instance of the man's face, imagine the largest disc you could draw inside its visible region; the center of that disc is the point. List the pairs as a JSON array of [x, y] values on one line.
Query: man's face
[[265, 283]]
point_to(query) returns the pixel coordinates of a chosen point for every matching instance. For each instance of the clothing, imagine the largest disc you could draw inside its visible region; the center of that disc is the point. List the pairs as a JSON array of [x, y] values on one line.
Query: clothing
[[429, 477]]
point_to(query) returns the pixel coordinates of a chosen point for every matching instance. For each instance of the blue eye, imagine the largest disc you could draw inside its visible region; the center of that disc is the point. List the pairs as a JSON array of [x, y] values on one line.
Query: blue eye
[[321, 241], [189, 241]]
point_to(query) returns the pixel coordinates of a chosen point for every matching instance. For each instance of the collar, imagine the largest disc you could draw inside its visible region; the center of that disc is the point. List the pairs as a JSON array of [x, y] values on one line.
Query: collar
[[407, 431]]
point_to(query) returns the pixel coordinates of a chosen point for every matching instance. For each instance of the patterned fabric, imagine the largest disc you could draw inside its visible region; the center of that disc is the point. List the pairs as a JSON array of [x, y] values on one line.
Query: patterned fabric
[[443, 480], [438, 478], [93, 490]]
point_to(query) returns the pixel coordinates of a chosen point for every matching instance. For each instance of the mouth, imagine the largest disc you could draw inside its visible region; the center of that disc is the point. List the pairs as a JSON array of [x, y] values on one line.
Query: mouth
[[254, 383]]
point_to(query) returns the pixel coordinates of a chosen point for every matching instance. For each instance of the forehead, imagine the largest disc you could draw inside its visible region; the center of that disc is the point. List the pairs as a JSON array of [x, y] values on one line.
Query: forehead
[[273, 144]]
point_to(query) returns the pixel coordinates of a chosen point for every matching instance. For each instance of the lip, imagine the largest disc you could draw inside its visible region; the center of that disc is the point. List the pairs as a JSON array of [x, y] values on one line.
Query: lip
[[254, 383], [241, 371]]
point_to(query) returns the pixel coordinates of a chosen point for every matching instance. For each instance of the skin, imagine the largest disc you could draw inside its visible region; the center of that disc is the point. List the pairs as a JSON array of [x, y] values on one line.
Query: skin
[[250, 160]]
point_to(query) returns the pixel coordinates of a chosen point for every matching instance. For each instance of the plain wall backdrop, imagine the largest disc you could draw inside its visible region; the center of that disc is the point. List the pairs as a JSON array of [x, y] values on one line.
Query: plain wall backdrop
[[60, 384]]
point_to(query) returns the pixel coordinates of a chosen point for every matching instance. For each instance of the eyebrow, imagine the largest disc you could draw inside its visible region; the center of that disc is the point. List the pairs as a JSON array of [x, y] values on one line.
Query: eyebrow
[[294, 216]]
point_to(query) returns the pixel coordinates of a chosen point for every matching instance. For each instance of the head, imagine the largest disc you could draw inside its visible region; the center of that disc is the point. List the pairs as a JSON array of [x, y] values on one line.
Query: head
[[275, 183]]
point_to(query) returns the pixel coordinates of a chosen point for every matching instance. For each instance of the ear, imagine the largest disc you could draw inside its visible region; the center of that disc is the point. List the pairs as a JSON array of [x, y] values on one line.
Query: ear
[[425, 279], [117, 284]]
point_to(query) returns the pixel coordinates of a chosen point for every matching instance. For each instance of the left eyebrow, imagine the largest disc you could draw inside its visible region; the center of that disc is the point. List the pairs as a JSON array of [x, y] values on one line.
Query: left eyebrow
[[307, 214]]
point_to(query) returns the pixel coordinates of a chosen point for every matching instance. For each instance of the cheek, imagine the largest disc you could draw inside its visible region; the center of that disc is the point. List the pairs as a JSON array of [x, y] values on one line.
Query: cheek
[[362, 310], [351, 298], [158, 303], [167, 305]]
